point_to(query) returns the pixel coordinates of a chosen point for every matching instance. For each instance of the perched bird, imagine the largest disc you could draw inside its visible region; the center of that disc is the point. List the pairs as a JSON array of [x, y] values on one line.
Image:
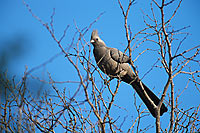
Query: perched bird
[[115, 64]]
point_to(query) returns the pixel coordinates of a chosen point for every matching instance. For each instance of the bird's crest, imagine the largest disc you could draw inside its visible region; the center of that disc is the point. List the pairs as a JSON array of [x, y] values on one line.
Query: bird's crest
[[94, 33]]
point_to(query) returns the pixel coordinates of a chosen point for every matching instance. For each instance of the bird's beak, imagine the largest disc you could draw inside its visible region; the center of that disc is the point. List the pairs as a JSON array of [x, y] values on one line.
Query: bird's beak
[[92, 41]]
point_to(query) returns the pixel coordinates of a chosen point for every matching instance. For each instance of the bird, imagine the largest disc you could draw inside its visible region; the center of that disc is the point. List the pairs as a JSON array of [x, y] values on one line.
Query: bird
[[116, 64]]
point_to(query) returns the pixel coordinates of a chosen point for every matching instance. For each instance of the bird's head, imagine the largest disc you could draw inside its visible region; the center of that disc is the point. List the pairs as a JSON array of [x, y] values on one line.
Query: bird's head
[[95, 39]]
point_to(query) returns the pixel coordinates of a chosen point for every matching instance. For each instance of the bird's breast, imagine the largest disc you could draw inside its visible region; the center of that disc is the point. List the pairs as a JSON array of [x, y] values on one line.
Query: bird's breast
[[105, 62]]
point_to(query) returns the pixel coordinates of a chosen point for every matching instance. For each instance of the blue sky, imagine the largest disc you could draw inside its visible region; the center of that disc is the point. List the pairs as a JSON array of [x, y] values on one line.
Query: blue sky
[[37, 45]]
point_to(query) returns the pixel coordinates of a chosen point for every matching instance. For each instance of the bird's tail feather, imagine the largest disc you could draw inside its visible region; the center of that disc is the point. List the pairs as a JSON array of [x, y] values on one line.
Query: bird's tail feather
[[137, 86]]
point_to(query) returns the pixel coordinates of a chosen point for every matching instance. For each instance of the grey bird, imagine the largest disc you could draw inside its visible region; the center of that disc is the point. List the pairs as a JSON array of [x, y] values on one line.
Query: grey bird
[[115, 64]]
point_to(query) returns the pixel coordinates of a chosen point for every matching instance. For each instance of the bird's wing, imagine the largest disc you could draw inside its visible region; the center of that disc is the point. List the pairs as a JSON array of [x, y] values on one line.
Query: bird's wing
[[118, 56]]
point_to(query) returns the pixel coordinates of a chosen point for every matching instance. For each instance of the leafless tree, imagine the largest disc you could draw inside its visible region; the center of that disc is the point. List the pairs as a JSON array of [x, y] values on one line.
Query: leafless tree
[[21, 112]]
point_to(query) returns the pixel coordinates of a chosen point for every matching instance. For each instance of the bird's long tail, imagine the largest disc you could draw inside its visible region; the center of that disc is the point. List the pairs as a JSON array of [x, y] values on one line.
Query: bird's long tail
[[152, 96], [137, 86]]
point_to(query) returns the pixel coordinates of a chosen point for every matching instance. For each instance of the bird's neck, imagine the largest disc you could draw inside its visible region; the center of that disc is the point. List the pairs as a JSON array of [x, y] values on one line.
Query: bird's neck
[[99, 45]]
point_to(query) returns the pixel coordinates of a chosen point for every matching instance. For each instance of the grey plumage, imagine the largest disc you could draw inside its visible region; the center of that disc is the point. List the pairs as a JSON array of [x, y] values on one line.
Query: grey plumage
[[115, 64]]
